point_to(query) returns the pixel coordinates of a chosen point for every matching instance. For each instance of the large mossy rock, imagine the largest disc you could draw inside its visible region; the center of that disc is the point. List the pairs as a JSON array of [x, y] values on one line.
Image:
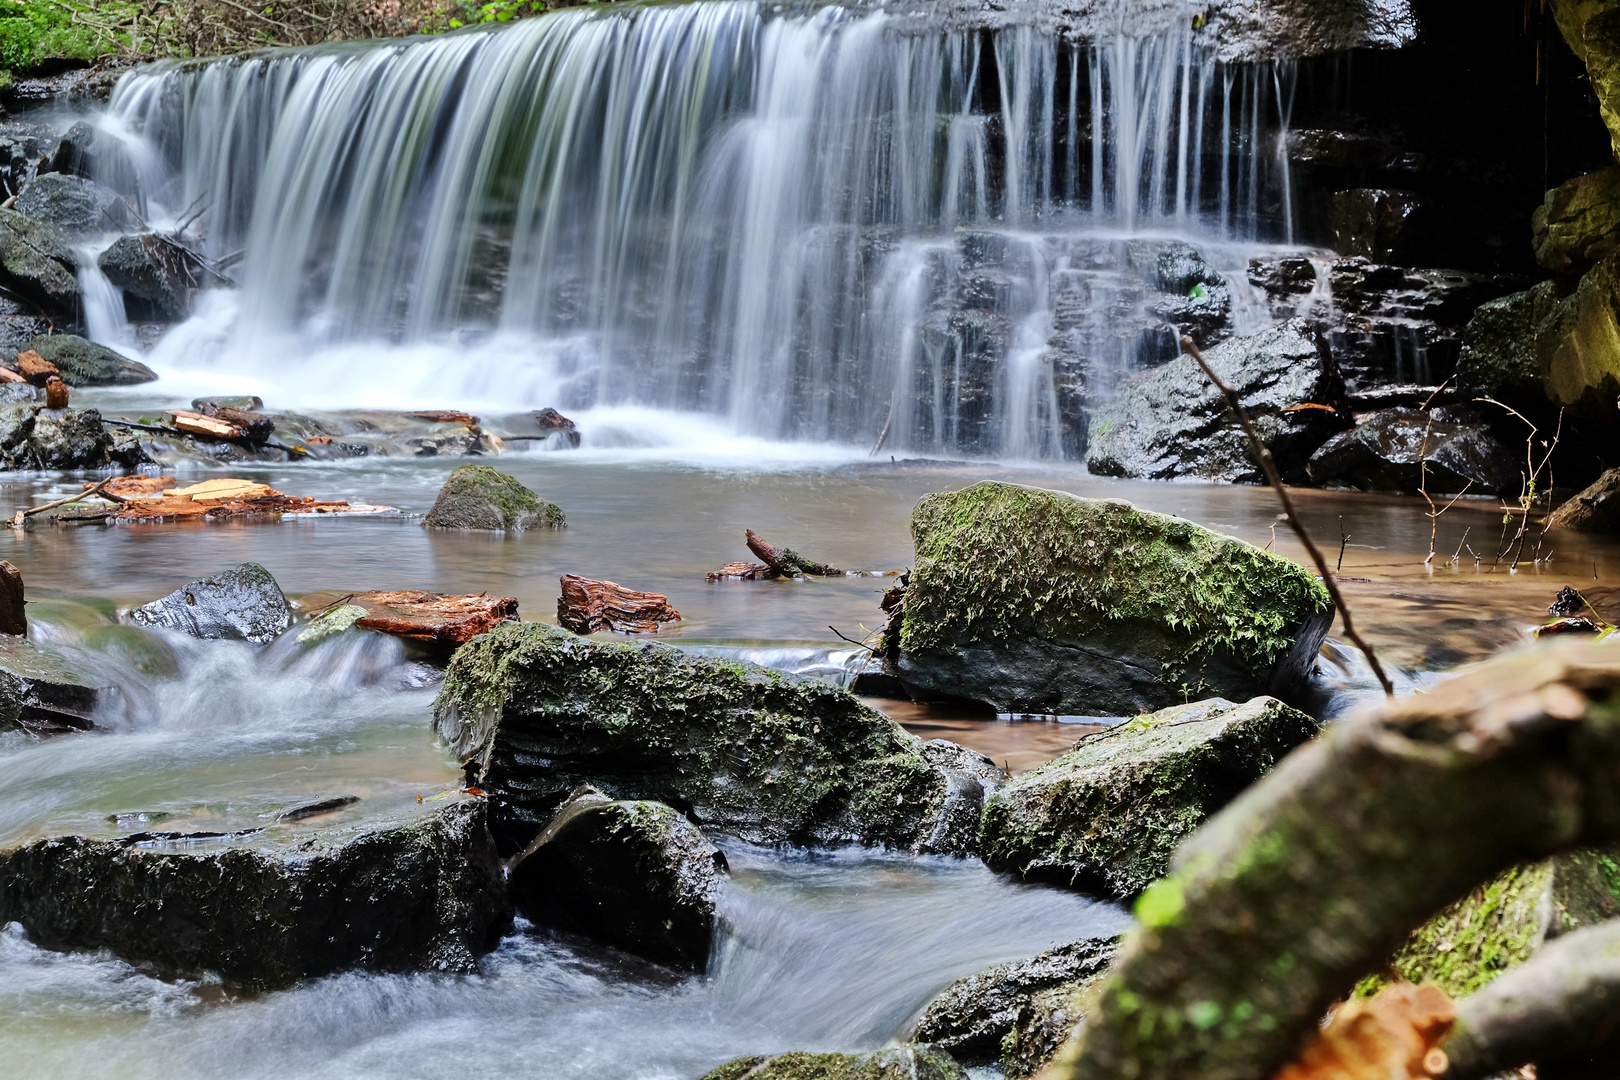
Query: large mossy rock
[[1596, 508], [633, 874], [1172, 421], [74, 205], [1107, 815], [1015, 1014], [424, 895], [904, 1063], [38, 264], [241, 604], [1579, 222], [84, 363], [534, 712], [1040, 601], [479, 497], [1444, 450]]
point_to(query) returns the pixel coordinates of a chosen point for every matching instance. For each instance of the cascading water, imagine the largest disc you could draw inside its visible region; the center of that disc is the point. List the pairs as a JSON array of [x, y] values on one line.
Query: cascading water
[[815, 225]]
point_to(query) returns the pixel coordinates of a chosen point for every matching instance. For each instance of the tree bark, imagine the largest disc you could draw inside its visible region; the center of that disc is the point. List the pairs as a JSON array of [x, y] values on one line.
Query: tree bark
[[1314, 876], [13, 619], [587, 606]]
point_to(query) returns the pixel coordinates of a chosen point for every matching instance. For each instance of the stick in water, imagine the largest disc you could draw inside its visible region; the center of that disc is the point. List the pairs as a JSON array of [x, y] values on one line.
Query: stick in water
[[1270, 468]]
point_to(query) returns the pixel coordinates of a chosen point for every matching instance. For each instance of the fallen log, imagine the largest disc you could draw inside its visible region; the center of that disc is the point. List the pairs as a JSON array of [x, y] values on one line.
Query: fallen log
[[444, 416], [35, 368], [785, 562], [91, 492], [433, 618], [9, 376], [1315, 875], [197, 424], [255, 427], [13, 619], [587, 606], [743, 571]]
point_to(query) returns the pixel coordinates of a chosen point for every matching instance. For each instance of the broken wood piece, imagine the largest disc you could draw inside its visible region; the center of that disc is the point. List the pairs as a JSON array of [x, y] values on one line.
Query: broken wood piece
[[136, 487], [35, 368], [222, 490], [432, 617], [99, 490], [444, 416], [587, 606], [785, 562], [56, 393], [1396, 1035], [197, 424], [744, 571], [9, 376], [255, 427], [13, 620]]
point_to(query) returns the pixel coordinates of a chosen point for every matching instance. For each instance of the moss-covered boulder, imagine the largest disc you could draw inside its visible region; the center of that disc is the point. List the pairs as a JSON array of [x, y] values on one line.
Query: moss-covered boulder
[[479, 497], [904, 1063], [37, 264], [1108, 814], [535, 711], [1041, 601], [76, 206], [418, 895], [241, 604], [84, 363], [631, 873], [1015, 1014]]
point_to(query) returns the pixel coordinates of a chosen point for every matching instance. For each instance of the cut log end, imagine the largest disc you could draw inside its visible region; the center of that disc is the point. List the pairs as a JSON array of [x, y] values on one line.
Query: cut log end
[[587, 606], [13, 620]]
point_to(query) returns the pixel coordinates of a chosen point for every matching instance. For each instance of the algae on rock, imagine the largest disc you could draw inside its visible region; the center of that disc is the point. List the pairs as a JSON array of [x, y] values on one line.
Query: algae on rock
[[1041, 601], [905, 1063], [479, 497]]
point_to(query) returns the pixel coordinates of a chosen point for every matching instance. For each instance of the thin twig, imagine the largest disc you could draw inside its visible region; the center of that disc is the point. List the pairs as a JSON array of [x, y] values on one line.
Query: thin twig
[[92, 493], [1294, 522]]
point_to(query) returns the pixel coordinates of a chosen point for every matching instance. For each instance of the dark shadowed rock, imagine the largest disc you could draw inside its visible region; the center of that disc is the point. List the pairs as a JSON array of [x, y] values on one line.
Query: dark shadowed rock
[[479, 497], [244, 604], [38, 265], [76, 153], [1579, 222], [1291, 276], [266, 910], [634, 874], [1498, 357], [1384, 226], [1597, 508], [84, 363], [129, 264], [1386, 450], [1172, 421], [534, 712], [66, 439], [1040, 601], [44, 690], [903, 1063], [1109, 813], [76, 206], [1197, 300], [1017, 1013]]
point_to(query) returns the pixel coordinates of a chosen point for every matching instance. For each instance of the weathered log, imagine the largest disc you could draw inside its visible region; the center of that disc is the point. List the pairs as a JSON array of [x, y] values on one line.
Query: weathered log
[[587, 606], [444, 416], [1315, 875], [433, 618], [1560, 1010], [255, 427], [35, 368], [745, 571], [56, 393], [785, 562], [197, 424], [13, 620]]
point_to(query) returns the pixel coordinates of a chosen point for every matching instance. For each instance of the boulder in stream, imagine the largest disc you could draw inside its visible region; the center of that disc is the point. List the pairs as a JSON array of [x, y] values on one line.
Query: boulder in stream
[[1579, 222], [1040, 601], [1449, 448], [631, 873], [479, 497], [534, 712], [76, 206], [155, 272], [902, 1063], [1596, 508], [1171, 421], [264, 911], [44, 691], [1015, 1014], [242, 604], [1108, 814], [84, 363], [37, 264]]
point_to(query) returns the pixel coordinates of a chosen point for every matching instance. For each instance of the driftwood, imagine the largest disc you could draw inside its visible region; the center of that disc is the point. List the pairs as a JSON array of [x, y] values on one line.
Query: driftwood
[[35, 368], [90, 492], [1314, 876], [444, 416], [785, 562], [197, 424], [587, 606], [743, 571], [56, 393], [1394, 1036], [434, 618], [13, 619], [254, 427]]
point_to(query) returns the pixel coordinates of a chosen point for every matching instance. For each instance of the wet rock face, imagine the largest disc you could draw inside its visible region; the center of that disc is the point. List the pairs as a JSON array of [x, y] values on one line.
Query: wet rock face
[[1578, 343], [1172, 421], [1579, 222], [38, 264], [143, 267], [904, 1063], [422, 896], [1108, 814], [1015, 1014], [1596, 509], [84, 363], [1039, 601], [479, 497], [633, 874], [1498, 357], [42, 689], [1386, 452], [67, 439], [76, 206], [1384, 226], [243, 604], [534, 712]]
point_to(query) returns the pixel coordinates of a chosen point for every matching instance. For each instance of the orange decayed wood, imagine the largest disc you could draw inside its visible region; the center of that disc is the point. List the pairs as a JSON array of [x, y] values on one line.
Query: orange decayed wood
[[1393, 1036], [587, 606], [434, 617], [35, 368]]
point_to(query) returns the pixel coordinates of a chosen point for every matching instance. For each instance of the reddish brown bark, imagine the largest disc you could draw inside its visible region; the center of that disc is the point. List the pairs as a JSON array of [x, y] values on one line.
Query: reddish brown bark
[[35, 368], [433, 617], [56, 393], [444, 416], [587, 606]]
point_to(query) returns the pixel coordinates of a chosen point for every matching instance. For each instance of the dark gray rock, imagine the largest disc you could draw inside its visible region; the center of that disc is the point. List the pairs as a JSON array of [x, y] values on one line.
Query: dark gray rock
[[479, 497], [1172, 421], [1290, 276], [1108, 814], [37, 264], [1196, 301], [84, 363], [1384, 226], [74, 205], [423, 894], [1395, 449], [1594, 509], [243, 604], [1017, 1013], [19, 159], [633, 874], [45, 690], [67, 439], [1498, 358], [534, 712], [141, 266], [902, 1063], [249, 402]]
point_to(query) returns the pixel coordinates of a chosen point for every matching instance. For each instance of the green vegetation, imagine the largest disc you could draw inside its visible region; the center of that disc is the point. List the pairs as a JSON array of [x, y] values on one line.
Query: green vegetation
[[33, 32]]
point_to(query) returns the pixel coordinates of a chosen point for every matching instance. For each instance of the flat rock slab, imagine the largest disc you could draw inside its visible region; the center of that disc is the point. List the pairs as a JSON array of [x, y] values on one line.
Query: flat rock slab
[[422, 895], [243, 604], [1108, 814], [433, 618], [534, 712], [45, 690], [904, 1063]]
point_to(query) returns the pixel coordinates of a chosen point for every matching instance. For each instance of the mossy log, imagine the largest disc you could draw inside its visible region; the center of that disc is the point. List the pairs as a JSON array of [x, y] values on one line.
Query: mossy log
[[785, 562], [1315, 875]]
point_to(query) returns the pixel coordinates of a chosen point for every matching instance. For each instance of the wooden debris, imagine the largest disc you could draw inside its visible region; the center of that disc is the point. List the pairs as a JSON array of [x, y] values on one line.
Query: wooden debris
[[255, 427], [587, 606], [744, 571], [197, 424], [156, 499], [222, 490], [90, 492], [136, 487], [1393, 1036], [785, 562], [433, 617], [9, 376], [1573, 625], [13, 620], [35, 368], [56, 393], [444, 416]]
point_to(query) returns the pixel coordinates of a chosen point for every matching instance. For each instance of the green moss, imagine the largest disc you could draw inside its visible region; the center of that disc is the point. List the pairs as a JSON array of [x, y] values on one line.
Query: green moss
[[906, 1063], [998, 560]]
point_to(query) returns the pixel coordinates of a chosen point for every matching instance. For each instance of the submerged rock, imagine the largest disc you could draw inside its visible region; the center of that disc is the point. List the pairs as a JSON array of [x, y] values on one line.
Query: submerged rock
[[479, 497], [84, 363], [534, 712], [424, 895], [903, 1063], [1041, 601], [76, 206], [243, 604], [1108, 814], [38, 264], [1388, 449], [1597, 508], [1016, 1014], [330, 623], [43, 691], [1172, 421], [634, 874]]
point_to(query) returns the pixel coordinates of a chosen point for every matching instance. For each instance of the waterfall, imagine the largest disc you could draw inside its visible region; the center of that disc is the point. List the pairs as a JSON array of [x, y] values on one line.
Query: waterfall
[[820, 224]]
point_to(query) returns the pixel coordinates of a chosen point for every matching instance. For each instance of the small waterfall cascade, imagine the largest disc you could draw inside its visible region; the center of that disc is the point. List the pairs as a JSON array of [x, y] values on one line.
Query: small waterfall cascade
[[810, 224]]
